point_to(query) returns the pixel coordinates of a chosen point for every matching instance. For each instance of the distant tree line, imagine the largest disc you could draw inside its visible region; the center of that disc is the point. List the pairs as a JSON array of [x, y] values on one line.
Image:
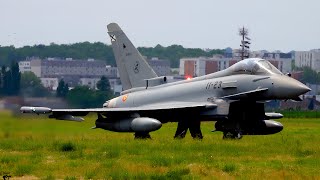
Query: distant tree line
[[97, 50], [175, 52]]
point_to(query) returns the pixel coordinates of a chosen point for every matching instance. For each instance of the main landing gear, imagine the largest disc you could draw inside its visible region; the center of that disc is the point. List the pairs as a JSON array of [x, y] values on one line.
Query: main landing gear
[[183, 127], [230, 129]]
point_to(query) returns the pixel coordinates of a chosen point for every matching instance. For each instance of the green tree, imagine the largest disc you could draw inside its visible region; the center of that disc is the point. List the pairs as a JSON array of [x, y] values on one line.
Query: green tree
[[2, 73], [29, 79], [15, 78], [103, 84], [31, 86], [10, 80], [3, 80], [6, 82], [310, 76], [84, 97], [62, 89], [65, 90]]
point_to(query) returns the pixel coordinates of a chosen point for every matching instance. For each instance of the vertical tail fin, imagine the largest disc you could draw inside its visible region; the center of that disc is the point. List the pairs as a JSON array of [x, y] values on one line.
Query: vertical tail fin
[[133, 68]]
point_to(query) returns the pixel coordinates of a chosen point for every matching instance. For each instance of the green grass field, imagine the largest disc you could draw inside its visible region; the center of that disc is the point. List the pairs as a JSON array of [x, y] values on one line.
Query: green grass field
[[34, 147]]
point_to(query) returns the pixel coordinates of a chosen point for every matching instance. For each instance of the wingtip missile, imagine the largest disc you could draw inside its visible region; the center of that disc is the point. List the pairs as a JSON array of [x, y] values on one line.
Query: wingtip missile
[[273, 115], [36, 110]]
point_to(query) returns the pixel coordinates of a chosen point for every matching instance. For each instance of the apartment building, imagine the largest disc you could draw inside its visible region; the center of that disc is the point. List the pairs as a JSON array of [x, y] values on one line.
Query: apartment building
[[160, 66], [200, 66], [74, 72], [308, 59], [282, 61]]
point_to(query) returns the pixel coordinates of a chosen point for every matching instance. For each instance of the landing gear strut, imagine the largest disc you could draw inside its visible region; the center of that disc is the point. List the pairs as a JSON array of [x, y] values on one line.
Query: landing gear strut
[[183, 127]]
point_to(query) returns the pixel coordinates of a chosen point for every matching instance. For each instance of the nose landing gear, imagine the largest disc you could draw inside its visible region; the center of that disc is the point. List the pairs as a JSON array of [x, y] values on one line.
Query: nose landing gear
[[232, 135]]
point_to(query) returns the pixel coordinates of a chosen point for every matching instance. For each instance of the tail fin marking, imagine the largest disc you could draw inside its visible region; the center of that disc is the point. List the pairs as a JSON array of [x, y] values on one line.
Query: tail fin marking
[[133, 68]]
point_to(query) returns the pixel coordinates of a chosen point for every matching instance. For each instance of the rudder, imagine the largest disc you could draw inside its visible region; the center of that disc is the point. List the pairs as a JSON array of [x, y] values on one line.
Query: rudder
[[133, 68]]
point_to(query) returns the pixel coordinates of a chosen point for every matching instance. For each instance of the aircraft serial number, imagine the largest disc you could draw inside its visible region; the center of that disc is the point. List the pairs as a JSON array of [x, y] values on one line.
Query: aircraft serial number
[[214, 85]]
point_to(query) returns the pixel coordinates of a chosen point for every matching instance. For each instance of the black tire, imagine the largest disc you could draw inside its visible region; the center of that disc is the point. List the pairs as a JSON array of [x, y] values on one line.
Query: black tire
[[142, 135], [232, 135]]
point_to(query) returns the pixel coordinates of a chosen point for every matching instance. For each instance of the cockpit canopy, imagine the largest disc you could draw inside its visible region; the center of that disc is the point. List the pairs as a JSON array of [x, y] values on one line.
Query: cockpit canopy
[[255, 66]]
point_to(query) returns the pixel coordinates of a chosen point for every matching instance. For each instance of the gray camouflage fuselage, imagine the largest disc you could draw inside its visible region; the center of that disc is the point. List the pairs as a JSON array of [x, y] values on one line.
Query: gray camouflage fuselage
[[214, 88]]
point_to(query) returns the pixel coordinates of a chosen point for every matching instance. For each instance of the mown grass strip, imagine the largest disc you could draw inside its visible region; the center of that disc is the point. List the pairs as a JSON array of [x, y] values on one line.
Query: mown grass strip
[[48, 149]]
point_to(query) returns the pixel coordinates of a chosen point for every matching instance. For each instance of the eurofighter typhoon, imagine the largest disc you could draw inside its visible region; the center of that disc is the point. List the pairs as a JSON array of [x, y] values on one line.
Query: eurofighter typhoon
[[233, 98]]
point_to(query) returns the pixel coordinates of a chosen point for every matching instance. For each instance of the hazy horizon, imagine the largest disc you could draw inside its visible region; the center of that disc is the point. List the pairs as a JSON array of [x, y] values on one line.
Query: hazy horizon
[[273, 25]]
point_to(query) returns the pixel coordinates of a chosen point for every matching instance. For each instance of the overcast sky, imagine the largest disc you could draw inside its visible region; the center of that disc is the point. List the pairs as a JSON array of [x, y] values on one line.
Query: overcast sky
[[273, 24]]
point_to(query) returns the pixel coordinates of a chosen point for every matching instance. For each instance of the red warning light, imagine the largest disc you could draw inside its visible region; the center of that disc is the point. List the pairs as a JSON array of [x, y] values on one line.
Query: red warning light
[[188, 77]]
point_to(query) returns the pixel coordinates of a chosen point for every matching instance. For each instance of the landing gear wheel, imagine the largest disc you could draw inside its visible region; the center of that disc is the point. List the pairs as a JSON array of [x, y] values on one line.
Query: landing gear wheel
[[227, 135], [238, 135], [142, 135], [232, 135]]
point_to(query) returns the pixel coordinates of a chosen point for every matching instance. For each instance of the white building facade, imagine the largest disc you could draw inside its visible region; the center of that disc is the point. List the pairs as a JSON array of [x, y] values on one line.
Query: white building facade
[[90, 82], [309, 59], [50, 83], [24, 66], [74, 72]]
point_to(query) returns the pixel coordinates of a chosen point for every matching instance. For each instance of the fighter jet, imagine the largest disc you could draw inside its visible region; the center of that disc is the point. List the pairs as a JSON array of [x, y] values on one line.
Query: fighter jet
[[233, 98]]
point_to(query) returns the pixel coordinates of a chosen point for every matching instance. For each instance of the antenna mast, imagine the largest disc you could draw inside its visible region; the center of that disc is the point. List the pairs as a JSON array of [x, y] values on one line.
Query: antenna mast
[[243, 32]]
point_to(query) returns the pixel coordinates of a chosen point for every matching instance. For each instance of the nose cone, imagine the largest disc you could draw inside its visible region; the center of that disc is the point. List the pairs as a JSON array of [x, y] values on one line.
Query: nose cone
[[288, 88], [301, 88]]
